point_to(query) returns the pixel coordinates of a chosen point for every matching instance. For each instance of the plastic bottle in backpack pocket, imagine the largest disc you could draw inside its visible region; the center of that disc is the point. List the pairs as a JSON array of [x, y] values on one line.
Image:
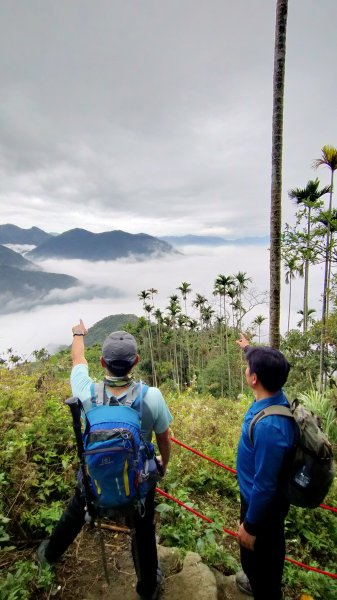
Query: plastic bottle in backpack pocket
[[302, 477]]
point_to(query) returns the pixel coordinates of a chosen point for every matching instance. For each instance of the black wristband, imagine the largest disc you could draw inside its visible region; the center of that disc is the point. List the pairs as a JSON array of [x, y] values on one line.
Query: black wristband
[[82, 334]]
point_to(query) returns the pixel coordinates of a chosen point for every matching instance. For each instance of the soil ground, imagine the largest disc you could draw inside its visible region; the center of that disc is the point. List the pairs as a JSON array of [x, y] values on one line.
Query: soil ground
[[80, 574]]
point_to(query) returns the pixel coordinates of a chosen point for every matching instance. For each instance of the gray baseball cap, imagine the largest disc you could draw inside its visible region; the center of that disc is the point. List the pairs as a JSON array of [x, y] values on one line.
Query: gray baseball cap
[[119, 347]]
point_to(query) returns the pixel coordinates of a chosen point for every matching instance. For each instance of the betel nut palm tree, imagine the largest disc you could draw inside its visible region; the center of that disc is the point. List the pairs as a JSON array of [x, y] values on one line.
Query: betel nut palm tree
[[329, 159], [308, 197], [184, 289], [221, 286], [241, 280], [143, 296], [293, 267], [259, 319], [276, 176]]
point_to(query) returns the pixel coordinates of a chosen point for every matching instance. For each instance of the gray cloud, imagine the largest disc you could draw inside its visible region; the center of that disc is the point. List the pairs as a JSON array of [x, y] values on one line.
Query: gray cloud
[[156, 116]]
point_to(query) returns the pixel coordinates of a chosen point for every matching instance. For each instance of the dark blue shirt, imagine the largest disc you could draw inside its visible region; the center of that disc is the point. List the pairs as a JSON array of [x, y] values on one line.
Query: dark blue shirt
[[259, 465]]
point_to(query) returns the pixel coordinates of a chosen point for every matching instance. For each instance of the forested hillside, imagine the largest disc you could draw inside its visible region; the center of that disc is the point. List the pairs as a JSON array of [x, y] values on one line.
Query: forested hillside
[[98, 332]]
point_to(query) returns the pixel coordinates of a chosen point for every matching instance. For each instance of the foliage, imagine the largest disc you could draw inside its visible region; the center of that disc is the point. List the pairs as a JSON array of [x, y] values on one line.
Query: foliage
[[36, 451], [213, 427], [35, 430], [98, 332], [24, 580], [301, 351], [323, 407]]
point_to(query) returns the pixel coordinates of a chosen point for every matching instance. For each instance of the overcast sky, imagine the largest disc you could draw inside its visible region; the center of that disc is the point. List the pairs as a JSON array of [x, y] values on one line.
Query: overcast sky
[[155, 115]]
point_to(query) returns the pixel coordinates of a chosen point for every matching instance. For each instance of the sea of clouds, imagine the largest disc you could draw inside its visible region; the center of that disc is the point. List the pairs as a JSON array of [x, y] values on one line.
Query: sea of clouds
[[112, 287]]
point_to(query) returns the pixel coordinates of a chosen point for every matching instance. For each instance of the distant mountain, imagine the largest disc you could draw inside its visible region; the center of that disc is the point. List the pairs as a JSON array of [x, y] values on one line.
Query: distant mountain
[[21, 289], [23, 285], [27, 283], [9, 258], [194, 240], [207, 240], [110, 245], [11, 234], [98, 332]]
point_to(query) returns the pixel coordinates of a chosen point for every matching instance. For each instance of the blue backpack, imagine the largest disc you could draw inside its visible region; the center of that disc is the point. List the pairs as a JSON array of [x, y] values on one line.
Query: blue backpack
[[120, 465]]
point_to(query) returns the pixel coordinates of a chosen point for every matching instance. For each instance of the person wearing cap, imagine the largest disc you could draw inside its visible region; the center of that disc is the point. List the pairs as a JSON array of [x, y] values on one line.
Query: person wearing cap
[[119, 356]]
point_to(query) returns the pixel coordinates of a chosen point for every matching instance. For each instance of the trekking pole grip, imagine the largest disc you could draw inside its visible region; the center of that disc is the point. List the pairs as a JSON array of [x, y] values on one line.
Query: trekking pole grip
[[74, 408]]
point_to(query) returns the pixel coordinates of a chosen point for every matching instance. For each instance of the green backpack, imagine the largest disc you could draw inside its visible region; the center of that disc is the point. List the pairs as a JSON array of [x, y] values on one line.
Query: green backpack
[[312, 468]]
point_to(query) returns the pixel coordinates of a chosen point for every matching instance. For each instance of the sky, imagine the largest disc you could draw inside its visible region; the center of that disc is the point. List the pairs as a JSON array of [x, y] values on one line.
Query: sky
[[155, 116]]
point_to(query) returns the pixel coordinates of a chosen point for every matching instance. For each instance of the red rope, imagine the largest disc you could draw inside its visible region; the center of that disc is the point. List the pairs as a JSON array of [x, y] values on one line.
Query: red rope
[[216, 462], [195, 512], [219, 464], [332, 508], [192, 510], [300, 564]]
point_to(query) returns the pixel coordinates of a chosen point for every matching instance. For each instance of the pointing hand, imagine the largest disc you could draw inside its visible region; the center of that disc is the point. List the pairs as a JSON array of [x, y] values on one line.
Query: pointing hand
[[79, 329]]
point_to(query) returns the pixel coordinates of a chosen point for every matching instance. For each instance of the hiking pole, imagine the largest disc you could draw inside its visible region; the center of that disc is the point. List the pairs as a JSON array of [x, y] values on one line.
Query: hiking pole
[[75, 410]]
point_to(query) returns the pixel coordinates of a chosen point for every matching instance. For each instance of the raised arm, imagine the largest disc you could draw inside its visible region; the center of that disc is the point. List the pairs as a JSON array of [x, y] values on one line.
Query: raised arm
[[77, 349]]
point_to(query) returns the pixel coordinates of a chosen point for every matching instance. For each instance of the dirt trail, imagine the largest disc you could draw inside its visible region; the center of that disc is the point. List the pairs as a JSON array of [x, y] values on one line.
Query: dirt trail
[[80, 573]]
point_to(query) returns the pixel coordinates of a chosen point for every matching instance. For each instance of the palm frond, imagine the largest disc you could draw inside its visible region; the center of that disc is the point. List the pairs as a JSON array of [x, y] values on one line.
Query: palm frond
[[328, 158]]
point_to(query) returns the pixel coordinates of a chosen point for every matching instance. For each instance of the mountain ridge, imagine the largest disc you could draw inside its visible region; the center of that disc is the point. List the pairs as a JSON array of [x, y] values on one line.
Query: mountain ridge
[[22, 283], [12, 234], [110, 245], [10, 258], [102, 328], [209, 240]]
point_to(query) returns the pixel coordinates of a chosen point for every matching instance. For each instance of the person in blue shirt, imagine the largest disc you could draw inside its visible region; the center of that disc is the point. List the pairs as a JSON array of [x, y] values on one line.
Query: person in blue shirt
[[261, 468], [119, 356]]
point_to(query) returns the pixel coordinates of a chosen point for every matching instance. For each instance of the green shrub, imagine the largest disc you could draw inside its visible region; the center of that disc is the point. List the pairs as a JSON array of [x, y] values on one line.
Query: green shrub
[[323, 406], [23, 580]]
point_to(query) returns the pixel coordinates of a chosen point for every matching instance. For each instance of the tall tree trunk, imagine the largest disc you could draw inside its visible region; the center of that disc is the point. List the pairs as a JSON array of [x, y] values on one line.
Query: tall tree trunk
[[326, 292], [276, 176], [154, 374], [330, 248], [289, 303], [227, 349], [306, 276]]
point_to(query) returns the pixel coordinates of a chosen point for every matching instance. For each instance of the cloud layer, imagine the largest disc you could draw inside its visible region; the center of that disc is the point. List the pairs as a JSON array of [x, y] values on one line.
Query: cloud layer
[[51, 325]]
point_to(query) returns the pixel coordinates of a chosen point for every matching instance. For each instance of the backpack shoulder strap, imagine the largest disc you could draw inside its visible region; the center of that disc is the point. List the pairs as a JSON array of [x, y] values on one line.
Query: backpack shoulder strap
[[134, 397], [98, 393], [275, 409], [135, 392], [97, 397]]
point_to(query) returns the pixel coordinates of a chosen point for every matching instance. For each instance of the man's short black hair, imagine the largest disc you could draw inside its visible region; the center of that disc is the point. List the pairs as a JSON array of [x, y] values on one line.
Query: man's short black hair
[[269, 365], [119, 368]]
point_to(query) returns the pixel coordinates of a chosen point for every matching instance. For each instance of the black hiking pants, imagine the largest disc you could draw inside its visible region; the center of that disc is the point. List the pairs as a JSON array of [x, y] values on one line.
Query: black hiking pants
[[144, 549], [264, 565]]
